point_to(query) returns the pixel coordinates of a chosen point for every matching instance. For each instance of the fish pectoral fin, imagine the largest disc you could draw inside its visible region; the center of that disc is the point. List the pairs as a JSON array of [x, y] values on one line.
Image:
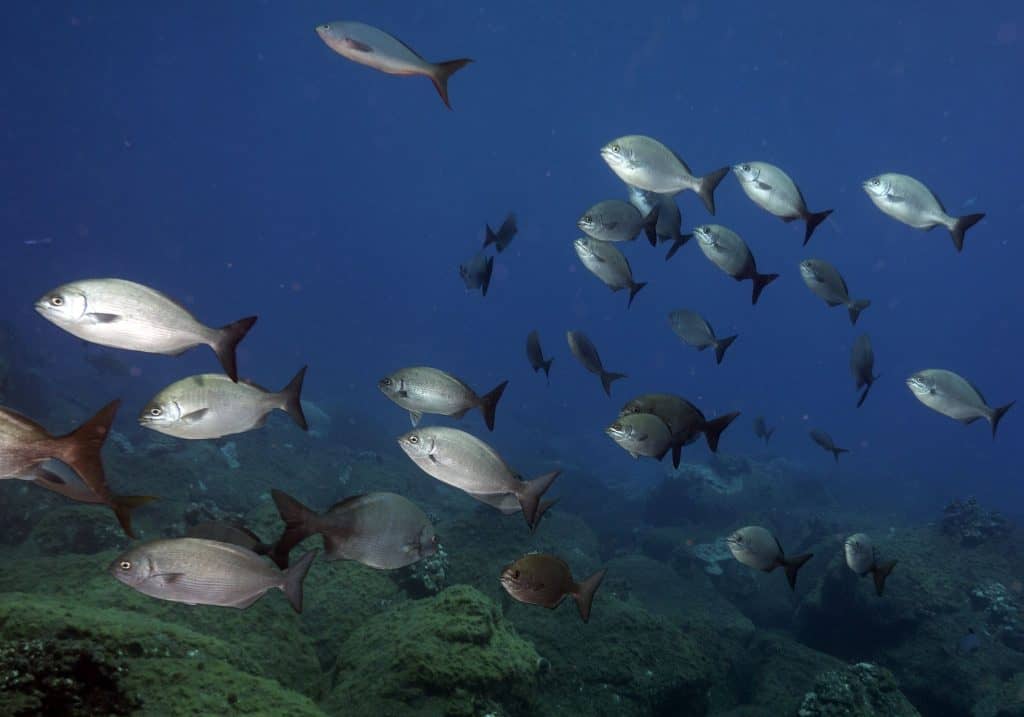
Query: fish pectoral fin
[[969, 421], [197, 416], [461, 413], [415, 417], [433, 458], [356, 45], [103, 318], [166, 578], [762, 185], [833, 303]]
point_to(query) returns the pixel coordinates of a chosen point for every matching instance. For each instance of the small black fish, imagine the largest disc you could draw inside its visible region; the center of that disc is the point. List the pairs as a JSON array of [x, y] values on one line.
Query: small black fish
[[506, 232], [476, 273], [825, 441], [536, 355]]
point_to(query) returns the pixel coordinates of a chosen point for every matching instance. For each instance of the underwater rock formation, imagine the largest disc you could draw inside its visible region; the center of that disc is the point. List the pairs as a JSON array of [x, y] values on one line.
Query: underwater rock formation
[[861, 690], [969, 523], [83, 529]]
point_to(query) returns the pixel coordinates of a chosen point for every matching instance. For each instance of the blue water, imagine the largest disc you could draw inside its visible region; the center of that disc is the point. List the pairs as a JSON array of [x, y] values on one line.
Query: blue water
[[223, 154]]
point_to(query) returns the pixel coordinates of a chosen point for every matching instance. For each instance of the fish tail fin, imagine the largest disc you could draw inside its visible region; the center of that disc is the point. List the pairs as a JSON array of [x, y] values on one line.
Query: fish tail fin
[[856, 307], [490, 237], [867, 388], [650, 225], [706, 190], [761, 281], [123, 505], [997, 416], [542, 508], [606, 380], [531, 494], [442, 72], [768, 434], [713, 429], [227, 340], [722, 345], [81, 448], [813, 219], [677, 244], [960, 228], [880, 573], [677, 454], [297, 520], [584, 593], [793, 565], [546, 365], [486, 280], [291, 399], [634, 289], [837, 450], [293, 578], [489, 403]]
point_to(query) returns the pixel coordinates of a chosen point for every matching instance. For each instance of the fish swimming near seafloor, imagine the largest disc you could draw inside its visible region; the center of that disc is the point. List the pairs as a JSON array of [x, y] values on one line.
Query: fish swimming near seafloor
[[546, 580], [953, 395], [370, 46], [641, 434], [825, 441], [774, 191], [422, 389], [757, 548], [685, 421], [862, 558]]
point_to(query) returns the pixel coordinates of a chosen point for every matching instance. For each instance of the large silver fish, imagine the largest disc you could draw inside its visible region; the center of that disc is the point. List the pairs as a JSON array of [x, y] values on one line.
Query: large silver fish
[[125, 315], [536, 355], [467, 463], [909, 201], [506, 232], [670, 220], [195, 571], [695, 330], [862, 365], [828, 284], [25, 446], [953, 395], [641, 434], [381, 530], [757, 548], [825, 441], [685, 421], [422, 389], [211, 406], [614, 220], [646, 163], [476, 272], [546, 580], [730, 253], [772, 189], [375, 48], [608, 264], [862, 558], [586, 353]]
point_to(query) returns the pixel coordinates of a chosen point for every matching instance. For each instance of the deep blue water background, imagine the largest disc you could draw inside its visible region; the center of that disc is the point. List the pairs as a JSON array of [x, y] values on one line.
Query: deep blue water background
[[223, 154]]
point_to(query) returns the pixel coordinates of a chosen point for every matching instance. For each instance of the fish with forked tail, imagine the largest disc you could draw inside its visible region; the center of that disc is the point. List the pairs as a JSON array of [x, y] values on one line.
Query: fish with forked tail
[[828, 284], [422, 389], [586, 353], [476, 273], [953, 395], [726, 250], [546, 580], [695, 330], [503, 237], [825, 441], [608, 264], [685, 421], [757, 548], [772, 189], [536, 355], [862, 558]]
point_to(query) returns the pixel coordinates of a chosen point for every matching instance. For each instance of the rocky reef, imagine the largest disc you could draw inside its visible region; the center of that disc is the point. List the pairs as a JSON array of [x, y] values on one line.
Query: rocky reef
[[861, 690]]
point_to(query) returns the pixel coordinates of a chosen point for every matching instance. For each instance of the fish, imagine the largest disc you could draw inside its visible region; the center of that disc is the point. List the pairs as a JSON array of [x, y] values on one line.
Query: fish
[[196, 571], [422, 389], [546, 580], [467, 463], [757, 548], [670, 220], [953, 395], [641, 434], [586, 353], [862, 558], [122, 314], [379, 530], [862, 365], [828, 284], [685, 421], [772, 189], [730, 253], [908, 200], [761, 429], [695, 330], [25, 446], [646, 163], [536, 355], [476, 273], [614, 220], [370, 46], [225, 532], [211, 406], [506, 232], [825, 441], [608, 264]]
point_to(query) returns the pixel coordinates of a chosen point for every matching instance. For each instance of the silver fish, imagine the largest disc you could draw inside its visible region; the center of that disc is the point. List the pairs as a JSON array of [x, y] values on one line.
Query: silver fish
[[761, 429], [608, 264], [422, 389], [685, 421], [828, 284], [381, 530], [757, 548], [670, 220], [586, 353], [546, 580], [695, 330], [907, 200], [195, 571], [536, 355], [614, 220], [952, 395], [772, 189], [862, 558], [375, 48], [862, 365], [730, 253], [506, 232], [476, 273], [467, 463], [646, 163], [211, 406], [825, 441], [125, 315], [641, 434]]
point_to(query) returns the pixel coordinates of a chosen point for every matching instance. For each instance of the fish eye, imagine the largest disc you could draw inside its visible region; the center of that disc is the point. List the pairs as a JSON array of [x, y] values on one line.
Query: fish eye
[[615, 148], [56, 301], [876, 181], [745, 167], [155, 411], [387, 382], [587, 218], [414, 440], [125, 565]]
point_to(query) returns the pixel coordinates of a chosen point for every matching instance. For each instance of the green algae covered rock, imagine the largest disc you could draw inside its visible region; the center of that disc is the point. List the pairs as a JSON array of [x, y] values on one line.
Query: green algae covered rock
[[77, 529], [861, 690], [453, 654]]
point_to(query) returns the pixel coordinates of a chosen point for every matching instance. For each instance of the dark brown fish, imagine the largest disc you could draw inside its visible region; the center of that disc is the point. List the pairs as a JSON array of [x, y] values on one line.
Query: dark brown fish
[[685, 421], [225, 532], [25, 446], [825, 441], [862, 366], [545, 580], [505, 234]]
